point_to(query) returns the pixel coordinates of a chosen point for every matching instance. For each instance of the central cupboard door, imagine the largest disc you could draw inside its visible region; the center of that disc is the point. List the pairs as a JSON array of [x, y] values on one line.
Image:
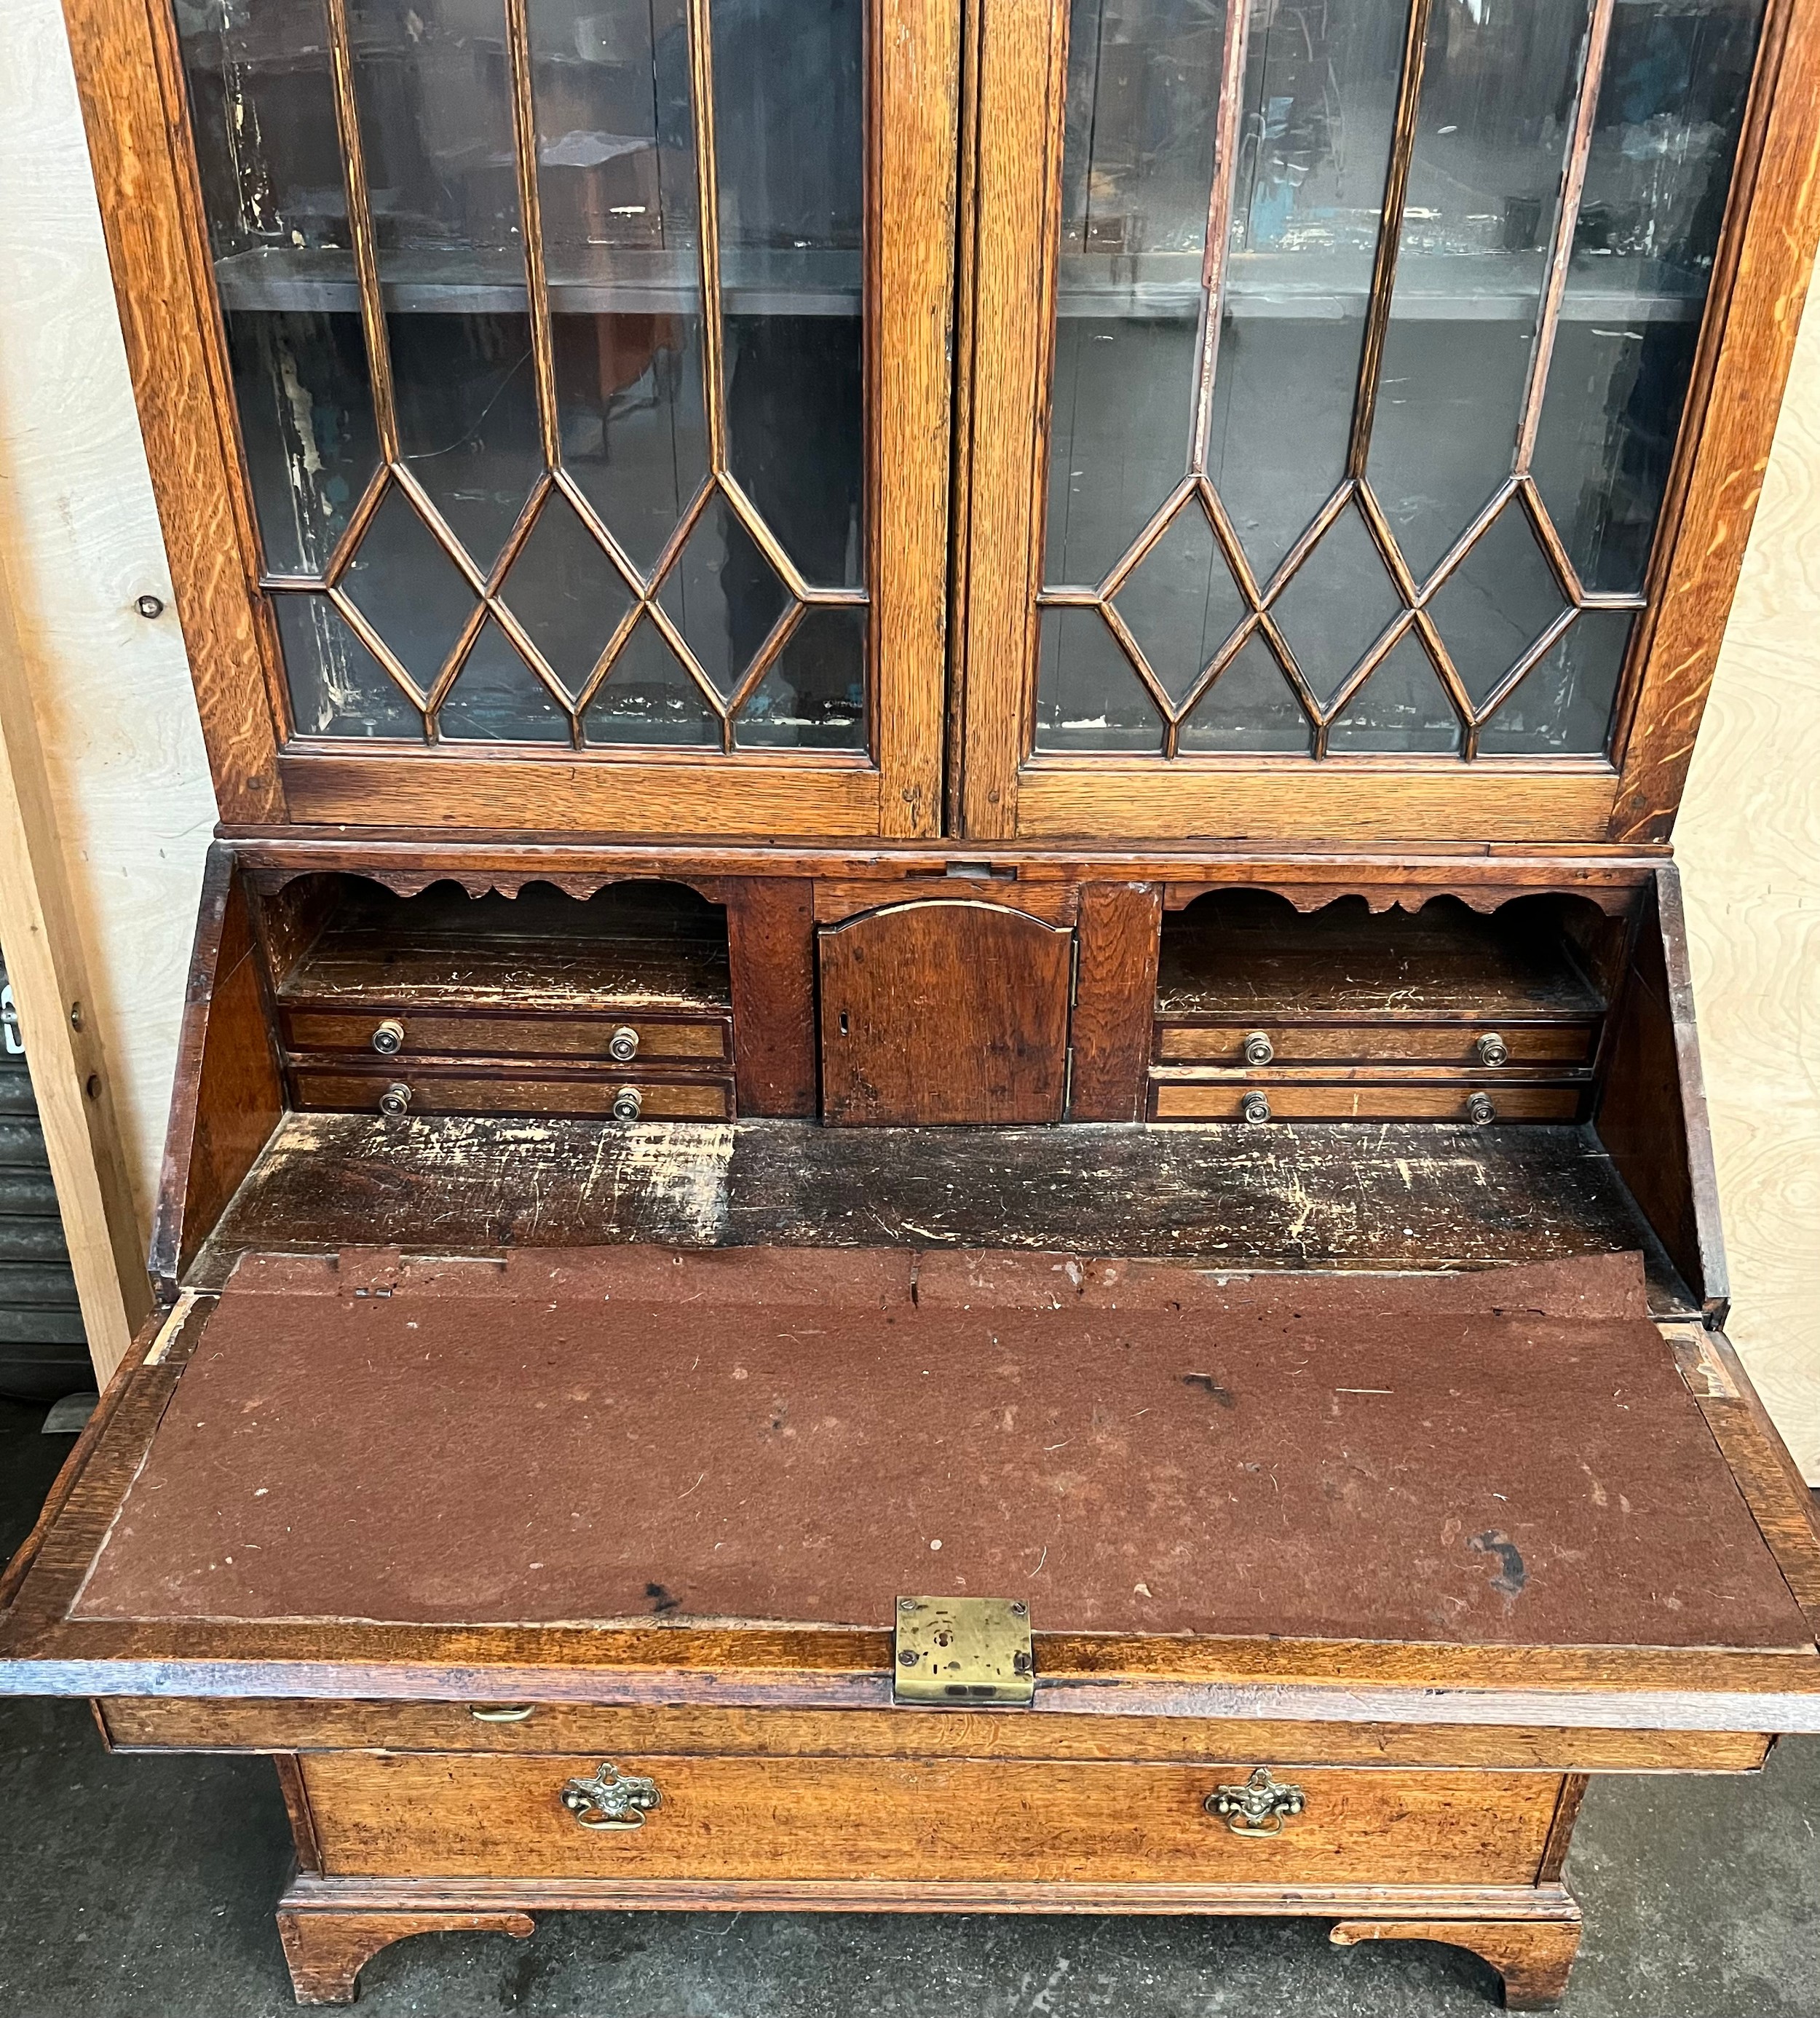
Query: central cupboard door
[[1328, 363], [589, 359]]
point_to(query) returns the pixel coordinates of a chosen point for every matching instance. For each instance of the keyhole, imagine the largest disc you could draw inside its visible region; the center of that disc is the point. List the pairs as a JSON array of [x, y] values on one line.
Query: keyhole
[[843, 1022]]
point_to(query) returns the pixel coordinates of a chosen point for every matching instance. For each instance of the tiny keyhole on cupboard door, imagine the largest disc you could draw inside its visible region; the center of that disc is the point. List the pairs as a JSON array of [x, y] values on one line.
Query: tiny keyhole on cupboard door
[[843, 1022]]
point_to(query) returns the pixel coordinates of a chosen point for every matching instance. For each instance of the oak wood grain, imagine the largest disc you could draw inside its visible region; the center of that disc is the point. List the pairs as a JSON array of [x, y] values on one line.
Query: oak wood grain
[[419, 1815], [326, 1951], [943, 1012], [1534, 1957], [1115, 990]]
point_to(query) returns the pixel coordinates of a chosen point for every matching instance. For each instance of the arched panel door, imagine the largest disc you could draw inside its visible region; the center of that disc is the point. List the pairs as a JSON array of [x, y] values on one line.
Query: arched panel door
[[944, 1012], [587, 362]]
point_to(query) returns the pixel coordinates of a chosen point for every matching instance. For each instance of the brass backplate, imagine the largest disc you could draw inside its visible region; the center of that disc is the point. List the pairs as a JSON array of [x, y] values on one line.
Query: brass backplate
[[954, 1651]]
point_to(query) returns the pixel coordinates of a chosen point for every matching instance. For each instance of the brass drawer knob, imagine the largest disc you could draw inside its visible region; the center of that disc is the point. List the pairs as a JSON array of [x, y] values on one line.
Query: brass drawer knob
[[1260, 1807], [622, 1047], [1493, 1049], [500, 1712], [1479, 1110], [1259, 1051], [611, 1799], [1255, 1108], [395, 1100], [626, 1104], [388, 1038]]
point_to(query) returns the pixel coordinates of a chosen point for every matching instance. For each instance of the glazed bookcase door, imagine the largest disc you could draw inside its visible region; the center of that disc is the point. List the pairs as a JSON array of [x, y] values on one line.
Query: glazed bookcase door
[[554, 334], [1331, 359]]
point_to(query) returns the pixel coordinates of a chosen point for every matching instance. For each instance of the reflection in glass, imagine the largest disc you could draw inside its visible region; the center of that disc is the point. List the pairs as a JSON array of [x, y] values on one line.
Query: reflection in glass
[[1402, 706], [338, 688], [616, 184], [1670, 109], [565, 592], [1087, 696], [497, 698], [306, 421], [1492, 128], [1336, 605], [1496, 603], [408, 589], [1320, 104], [788, 134], [1180, 602], [649, 697], [1249, 707], [814, 696], [1563, 706], [723, 594]]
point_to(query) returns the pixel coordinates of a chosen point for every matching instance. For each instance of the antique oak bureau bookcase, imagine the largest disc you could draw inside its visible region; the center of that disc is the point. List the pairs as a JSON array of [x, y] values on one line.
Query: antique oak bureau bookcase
[[939, 1142]]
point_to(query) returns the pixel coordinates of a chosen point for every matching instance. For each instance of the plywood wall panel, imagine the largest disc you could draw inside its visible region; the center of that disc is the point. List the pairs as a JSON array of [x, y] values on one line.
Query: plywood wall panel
[[79, 542], [1749, 844]]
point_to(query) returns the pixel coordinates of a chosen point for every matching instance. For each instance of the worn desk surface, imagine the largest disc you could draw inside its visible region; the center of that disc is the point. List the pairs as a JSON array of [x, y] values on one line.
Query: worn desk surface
[[629, 1435]]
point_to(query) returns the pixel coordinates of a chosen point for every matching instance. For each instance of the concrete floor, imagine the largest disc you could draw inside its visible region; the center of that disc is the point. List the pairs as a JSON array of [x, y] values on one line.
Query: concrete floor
[[143, 1888]]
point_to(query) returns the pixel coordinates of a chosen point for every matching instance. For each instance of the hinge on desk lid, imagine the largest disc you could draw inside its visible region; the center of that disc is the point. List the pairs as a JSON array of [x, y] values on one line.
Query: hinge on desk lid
[[954, 1651]]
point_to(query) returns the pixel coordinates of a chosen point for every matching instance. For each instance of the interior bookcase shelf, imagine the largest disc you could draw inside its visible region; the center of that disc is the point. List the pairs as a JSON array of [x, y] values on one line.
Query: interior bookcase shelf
[[633, 945], [1248, 954], [1145, 286]]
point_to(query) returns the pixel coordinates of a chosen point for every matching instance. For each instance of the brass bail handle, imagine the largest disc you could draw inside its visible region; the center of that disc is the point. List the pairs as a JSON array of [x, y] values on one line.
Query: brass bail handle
[[611, 1799], [1258, 1808]]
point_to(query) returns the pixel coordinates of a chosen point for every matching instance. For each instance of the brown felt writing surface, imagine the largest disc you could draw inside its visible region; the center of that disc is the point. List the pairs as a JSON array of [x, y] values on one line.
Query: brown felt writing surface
[[627, 1435]]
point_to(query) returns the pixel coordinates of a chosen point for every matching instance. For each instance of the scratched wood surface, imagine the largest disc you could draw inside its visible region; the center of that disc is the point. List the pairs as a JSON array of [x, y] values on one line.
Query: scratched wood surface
[[1378, 1196]]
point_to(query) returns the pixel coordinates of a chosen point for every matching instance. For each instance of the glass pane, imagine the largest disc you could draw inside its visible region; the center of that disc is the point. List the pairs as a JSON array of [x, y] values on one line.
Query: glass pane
[[723, 594], [1320, 103], [338, 688], [1491, 140], [1180, 603], [1496, 603], [1251, 706], [1562, 707], [1670, 108], [649, 697], [306, 422], [1336, 605], [1402, 706], [814, 698], [617, 183], [408, 589], [1088, 696], [261, 106], [1138, 164], [789, 132], [565, 592], [497, 698]]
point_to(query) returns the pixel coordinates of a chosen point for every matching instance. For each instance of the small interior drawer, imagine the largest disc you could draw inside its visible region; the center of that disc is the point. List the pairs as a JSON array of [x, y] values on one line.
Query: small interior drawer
[[426, 1815], [443, 1086], [1182, 1096], [403, 1032], [1477, 1046]]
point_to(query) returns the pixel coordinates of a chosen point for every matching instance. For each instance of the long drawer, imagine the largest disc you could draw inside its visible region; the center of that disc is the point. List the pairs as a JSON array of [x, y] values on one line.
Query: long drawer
[[1476, 1045], [424, 1816], [405, 1032], [447, 1086], [1184, 1097]]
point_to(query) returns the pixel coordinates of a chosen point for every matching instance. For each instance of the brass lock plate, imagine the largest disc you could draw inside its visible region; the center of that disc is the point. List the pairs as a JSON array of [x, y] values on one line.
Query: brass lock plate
[[954, 1651]]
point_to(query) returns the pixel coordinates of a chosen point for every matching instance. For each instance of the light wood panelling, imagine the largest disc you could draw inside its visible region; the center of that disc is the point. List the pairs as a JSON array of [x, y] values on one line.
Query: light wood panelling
[[1749, 844], [79, 543]]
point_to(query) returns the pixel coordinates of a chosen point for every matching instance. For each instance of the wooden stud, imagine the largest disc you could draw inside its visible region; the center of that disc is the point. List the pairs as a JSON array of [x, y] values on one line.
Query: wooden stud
[[70, 1076]]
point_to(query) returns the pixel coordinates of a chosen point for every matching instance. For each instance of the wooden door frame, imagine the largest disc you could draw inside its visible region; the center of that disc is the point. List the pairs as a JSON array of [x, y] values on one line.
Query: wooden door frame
[[129, 76], [1747, 344], [70, 1078]]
